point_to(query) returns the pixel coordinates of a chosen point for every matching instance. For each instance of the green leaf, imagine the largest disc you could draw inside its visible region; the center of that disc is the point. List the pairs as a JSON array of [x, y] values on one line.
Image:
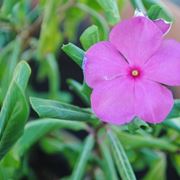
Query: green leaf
[[173, 123], [8, 166], [149, 3], [16, 115], [15, 109], [62, 141], [80, 166], [56, 109], [36, 129], [61, 144], [86, 90], [110, 170], [137, 4], [80, 90], [6, 50], [133, 141], [157, 12], [21, 74], [175, 112], [8, 6], [89, 37], [75, 53], [111, 10], [99, 19], [122, 162], [72, 20], [10, 63], [158, 169], [50, 34], [175, 160], [52, 71], [137, 124], [18, 14], [19, 81]]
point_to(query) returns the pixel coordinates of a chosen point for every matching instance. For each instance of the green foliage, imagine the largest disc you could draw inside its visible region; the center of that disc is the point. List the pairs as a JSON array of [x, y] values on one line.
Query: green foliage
[[80, 166], [102, 24], [110, 8], [122, 162], [137, 124], [50, 36], [55, 109], [15, 111], [173, 123], [74, 52], [89, 37], [109, 168], [157, 12], [82, 90], [44, 126], [8, 62], [158, 169], [133, 141], [138, 4]]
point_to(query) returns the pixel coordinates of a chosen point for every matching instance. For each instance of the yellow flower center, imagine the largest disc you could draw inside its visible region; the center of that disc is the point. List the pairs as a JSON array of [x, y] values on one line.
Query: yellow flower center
[[135, 73]]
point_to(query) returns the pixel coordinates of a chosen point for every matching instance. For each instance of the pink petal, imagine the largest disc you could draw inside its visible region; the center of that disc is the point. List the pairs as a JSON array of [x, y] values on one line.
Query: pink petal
[[113, 101], [137, 39], [103, 62], [164, 65], [153, 101], [163, 25]]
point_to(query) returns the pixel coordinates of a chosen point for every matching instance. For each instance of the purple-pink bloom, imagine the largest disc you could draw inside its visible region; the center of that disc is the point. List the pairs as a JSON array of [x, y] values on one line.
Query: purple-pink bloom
[[129, 72]]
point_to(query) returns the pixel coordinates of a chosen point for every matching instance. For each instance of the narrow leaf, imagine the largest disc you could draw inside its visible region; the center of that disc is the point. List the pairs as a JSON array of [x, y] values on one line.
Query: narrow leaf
[[21, 74], [86, 90], [89, 37], [56, 109], [80, 166], [110, 170], [79, 89], [137, 124], [158, 169], [20, 79], [15, 110], [175, 160], [53, 74], [137, 4], [10, 61], [157, 12], [175, 112], [173, 123], [74, 52], [111, 10], [50, 35], [36, 129], [138, 141], [122, 162], [99, 19], [15, 117]]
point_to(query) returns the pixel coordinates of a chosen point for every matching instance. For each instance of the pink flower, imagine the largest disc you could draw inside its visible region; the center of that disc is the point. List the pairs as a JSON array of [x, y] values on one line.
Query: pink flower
[[129, 72]]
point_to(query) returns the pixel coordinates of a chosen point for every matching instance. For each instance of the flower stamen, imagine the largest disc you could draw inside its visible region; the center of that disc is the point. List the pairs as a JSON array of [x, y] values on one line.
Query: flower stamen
[[135, 73]]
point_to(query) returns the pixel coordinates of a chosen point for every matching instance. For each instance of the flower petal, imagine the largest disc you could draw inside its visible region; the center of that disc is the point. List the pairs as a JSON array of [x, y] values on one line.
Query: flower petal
[[163, 25], [137, 39], [103, 62], [113, 101], [153, 101], [164, 65]]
